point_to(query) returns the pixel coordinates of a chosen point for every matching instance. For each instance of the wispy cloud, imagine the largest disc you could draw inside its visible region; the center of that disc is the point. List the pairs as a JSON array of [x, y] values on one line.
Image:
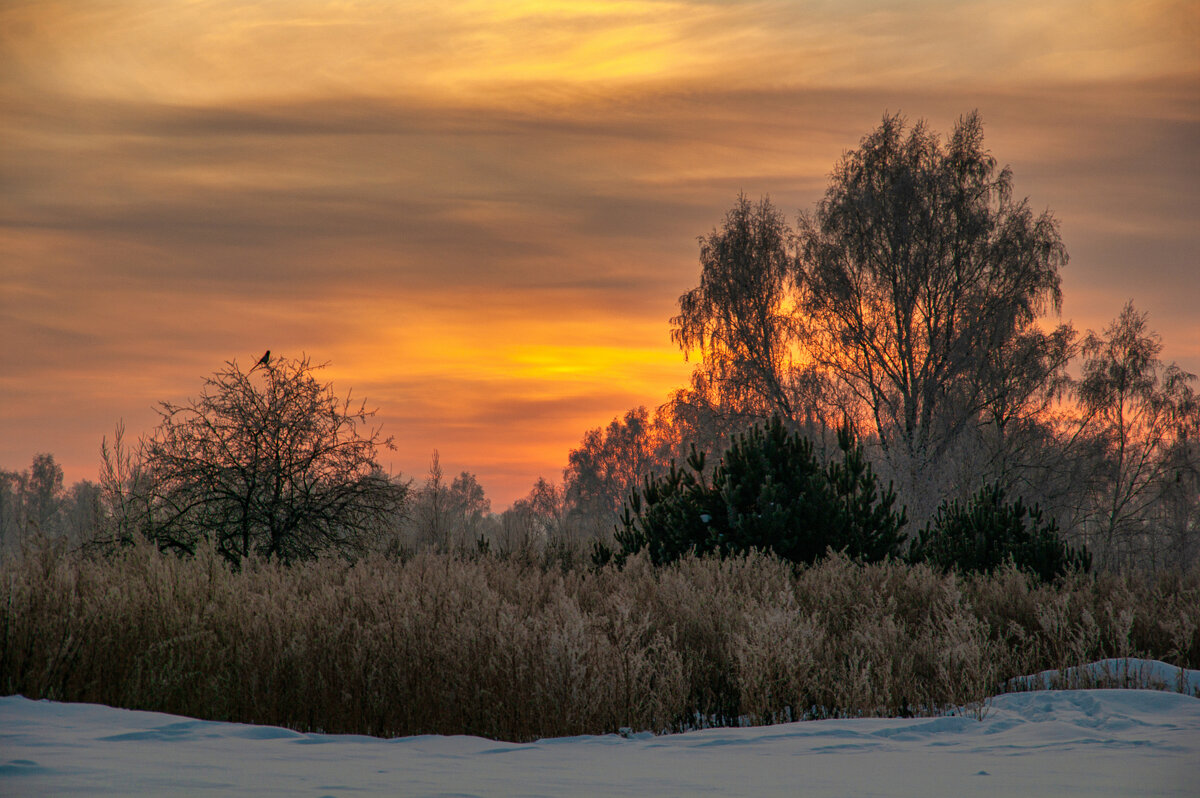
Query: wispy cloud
[[483, 213]]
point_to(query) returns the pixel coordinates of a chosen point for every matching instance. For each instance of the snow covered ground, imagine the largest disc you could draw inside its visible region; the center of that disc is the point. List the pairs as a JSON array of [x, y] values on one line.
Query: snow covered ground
[[1084, 742], [1138, 673]]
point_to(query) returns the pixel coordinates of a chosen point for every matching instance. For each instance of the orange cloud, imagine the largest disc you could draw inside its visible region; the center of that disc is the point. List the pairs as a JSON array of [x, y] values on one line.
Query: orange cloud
[[482, 213]]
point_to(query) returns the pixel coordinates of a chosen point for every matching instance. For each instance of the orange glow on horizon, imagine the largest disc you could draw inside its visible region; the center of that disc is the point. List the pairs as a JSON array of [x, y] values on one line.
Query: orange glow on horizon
[[482, 214]]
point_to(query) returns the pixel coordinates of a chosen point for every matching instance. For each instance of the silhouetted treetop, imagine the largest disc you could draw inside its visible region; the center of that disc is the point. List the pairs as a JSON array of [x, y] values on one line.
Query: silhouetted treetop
[[270, 462]]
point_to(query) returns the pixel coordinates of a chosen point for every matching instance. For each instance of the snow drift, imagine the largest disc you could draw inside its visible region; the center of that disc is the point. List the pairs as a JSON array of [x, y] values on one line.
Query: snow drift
[[1085, 742]]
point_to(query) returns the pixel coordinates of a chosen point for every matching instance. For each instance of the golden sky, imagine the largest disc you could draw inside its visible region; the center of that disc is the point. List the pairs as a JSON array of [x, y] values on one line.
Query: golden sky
[[482, 214]]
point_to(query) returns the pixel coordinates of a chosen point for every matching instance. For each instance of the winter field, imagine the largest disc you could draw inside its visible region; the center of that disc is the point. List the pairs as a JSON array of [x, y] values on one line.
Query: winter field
[[1097, 742], [491, 676]]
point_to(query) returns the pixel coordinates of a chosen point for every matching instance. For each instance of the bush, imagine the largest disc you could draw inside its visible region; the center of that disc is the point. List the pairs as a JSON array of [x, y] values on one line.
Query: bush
[[768, 493], [987, 532]]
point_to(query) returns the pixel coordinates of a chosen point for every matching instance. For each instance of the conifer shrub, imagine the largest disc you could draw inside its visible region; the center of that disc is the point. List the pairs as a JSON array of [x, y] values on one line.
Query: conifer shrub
[[987, 532], [768, 493]]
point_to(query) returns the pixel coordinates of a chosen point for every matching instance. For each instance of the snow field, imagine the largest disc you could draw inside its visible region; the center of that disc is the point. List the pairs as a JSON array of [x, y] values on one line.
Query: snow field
[[1099, 742]]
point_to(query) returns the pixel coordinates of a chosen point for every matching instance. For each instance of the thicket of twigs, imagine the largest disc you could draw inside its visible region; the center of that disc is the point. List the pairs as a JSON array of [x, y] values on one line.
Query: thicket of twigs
[[510, 649]]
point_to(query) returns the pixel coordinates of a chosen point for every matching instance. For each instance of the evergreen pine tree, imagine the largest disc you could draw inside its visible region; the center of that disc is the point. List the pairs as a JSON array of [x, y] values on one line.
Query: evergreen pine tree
[[986, 532], [768, 492]]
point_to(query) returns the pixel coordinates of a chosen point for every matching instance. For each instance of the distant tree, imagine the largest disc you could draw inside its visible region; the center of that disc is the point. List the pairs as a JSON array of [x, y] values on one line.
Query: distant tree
[[467, 497], [12, 511], [32, 501], [545, 507], [1144, 415], [430, 510], [538, 523], [741, 319], [922, 278], [469, 506], [609, 462], [449, 516], [35, 505], [81, 512], [125, 492], [43, 491], [269, 463], [1027, 377], [1177, 513]]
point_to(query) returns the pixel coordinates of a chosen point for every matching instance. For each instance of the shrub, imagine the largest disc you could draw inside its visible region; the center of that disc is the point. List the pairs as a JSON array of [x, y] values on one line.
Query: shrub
[[769, 492], [987, 532]]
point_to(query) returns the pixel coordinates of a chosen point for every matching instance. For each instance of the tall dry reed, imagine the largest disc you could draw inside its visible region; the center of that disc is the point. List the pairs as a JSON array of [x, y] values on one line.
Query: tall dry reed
[[508, 649]]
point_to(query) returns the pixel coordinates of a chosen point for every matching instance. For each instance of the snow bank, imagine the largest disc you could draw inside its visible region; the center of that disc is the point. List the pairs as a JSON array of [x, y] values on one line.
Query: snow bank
[[1141, 674], [1085, 742]]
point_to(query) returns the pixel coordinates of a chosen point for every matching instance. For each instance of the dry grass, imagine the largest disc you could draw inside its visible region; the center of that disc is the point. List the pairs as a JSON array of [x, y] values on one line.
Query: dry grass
[[508, 649]]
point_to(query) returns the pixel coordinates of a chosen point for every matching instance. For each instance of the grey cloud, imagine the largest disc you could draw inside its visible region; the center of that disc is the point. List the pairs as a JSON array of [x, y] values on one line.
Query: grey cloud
[[560, 206]]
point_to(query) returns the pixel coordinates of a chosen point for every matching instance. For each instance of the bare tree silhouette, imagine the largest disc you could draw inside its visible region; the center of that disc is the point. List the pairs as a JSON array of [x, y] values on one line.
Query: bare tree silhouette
[[282, 468]]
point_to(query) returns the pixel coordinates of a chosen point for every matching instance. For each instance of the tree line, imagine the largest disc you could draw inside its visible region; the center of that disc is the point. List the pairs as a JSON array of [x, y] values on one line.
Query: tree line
[[35, 500], [911, 305], [913, 302]]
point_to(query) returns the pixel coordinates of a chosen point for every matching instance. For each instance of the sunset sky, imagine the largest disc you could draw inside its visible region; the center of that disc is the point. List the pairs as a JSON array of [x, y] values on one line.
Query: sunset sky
[[482, 214]]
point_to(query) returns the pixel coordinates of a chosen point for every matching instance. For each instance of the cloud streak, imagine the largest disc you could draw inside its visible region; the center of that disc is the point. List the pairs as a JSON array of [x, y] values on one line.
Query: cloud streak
[[483, 213]]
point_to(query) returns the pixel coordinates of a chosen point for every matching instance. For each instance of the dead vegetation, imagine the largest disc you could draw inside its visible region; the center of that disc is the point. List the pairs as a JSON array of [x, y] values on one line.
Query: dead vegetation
[[508, 649]]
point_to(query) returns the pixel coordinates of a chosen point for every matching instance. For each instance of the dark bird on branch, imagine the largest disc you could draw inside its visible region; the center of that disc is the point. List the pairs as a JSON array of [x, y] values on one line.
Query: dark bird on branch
[[262, 361]]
